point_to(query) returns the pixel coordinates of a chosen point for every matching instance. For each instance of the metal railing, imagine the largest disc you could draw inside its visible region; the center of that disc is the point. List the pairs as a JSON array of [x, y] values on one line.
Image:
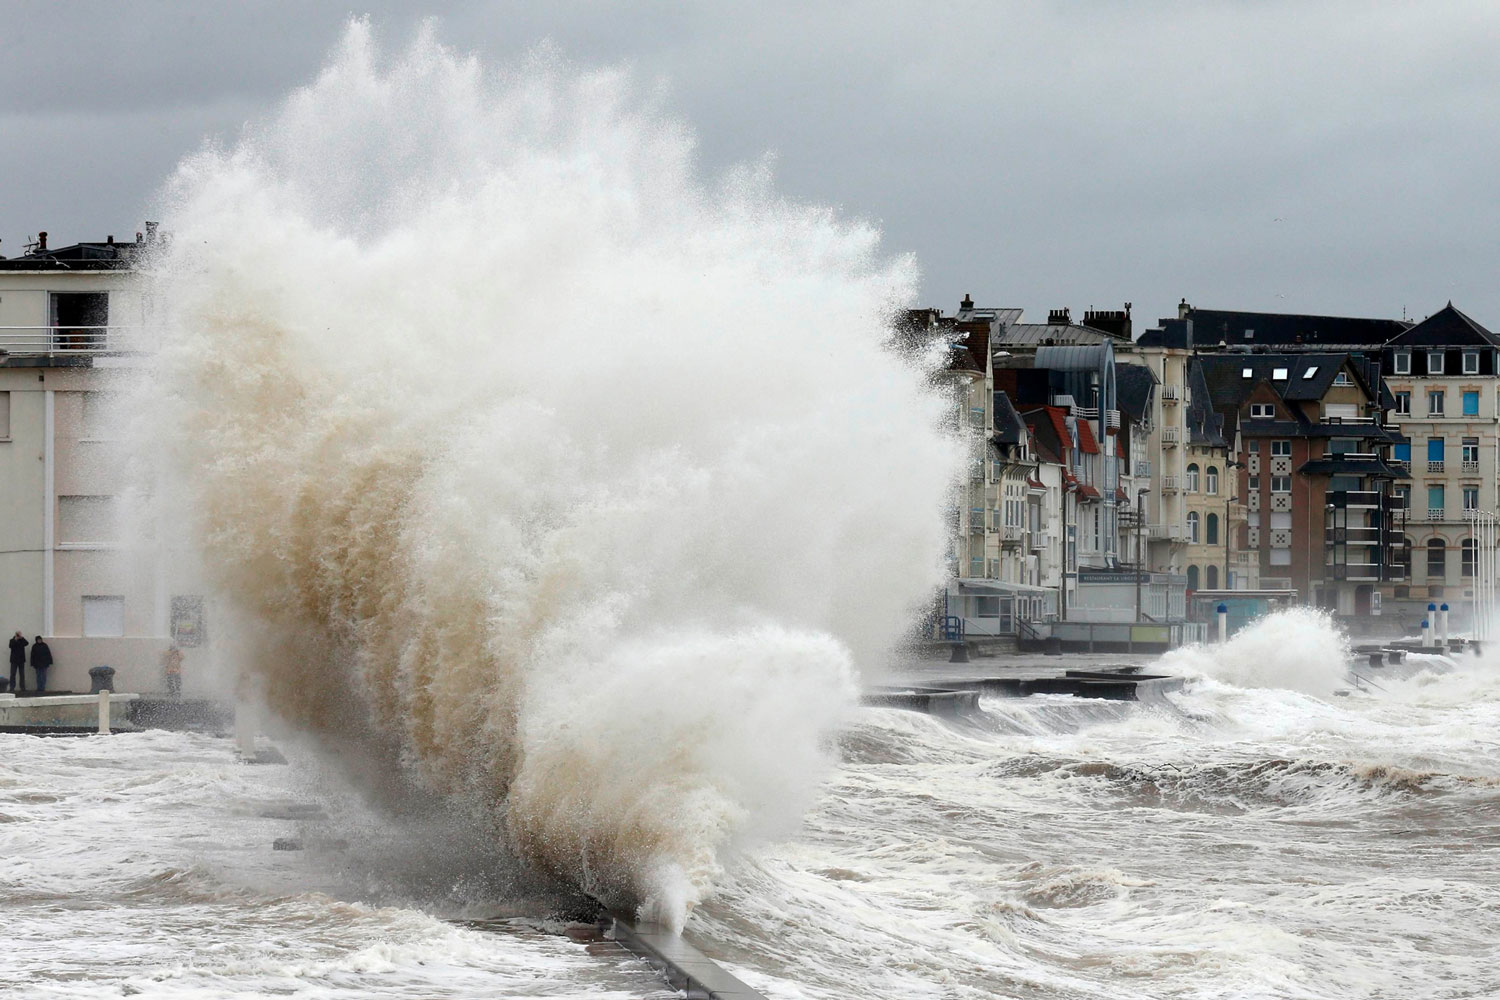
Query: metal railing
[[30, 340], [1170, 393]]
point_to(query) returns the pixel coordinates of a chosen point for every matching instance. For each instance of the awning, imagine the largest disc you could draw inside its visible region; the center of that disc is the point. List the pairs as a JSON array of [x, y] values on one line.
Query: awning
[[1000, 587]]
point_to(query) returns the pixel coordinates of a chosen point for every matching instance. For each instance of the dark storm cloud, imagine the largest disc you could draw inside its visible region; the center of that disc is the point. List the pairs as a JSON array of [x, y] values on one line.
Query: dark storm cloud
[[1313, 156]]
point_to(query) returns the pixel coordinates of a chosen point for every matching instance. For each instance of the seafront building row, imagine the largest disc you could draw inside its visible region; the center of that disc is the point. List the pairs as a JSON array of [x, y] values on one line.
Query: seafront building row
[[1116, 480]]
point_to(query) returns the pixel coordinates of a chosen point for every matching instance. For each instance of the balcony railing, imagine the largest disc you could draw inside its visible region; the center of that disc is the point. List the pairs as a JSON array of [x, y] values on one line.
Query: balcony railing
[[1171, 435], [1012, 532], [80, 340], [1171, 532], [1087, 412], [1434, 465], [1112, 419], [1469, 466], [1435, 513], [1171, 484], [1170, 394], [1143, 470]]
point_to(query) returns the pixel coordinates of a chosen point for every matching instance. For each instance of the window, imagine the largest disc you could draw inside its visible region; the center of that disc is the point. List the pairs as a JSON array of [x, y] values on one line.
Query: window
[[1471, 362], [79, 319], [1279, 374], [1313, 370], [1281, 556], [1471, 403], [1471, 498], [1435, 452], [1402, 363], [1281, 484], [4, 416], [1403, 402], [1435, 503], [1466, 557], [1402, 453], [1281, 448], [103, 616], [1192, 576], [1434, 402], [1262, 411], [1434, 362], [1403, 497], [1211, 576], [1436, 558], [1471, 451], [1254, 484], [86, 520], [1193, 520], [1342, 446], [1192, 478], [1211, 531], [1247, 373], [1249, 333], [1253, 446], [1211, 482]]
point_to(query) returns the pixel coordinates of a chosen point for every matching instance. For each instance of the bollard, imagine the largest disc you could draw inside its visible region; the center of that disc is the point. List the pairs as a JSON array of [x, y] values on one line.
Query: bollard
[[1426, 634], [1443, 624], [102, 678], [244, 731], [1377, 659], [103, 713], [1223, 623]]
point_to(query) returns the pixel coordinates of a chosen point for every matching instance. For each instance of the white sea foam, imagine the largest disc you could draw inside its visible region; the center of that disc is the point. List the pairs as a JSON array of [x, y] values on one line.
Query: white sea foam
[[509, 436], [1299, 649]]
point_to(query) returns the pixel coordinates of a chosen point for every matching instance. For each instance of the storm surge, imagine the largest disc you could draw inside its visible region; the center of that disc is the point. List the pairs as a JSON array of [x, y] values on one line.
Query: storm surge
[[587, 480]]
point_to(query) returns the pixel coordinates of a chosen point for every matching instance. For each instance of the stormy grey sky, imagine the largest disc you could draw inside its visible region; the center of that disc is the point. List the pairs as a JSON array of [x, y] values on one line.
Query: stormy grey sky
[[1336, 157]]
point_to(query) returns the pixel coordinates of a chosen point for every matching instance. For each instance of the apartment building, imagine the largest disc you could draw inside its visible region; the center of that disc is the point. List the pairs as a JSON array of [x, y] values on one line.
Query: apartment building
[[1314, 472], [1442, 374], [72, 324]]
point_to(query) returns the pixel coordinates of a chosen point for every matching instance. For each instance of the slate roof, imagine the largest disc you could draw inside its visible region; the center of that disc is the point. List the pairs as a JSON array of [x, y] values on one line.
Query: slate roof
[[1134, 385], [1205, 424], [1447, 326], [1210, 327], [1225, 379], [1337, 465], [1009, 427]]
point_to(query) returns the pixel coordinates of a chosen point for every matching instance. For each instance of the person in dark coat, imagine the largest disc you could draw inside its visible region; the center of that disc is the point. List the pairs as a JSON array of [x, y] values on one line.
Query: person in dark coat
[[41, 659], [18, 646]]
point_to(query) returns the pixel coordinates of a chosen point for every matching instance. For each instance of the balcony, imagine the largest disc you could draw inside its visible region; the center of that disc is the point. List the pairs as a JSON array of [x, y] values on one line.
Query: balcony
[[1400, 463], [1171, 435], [1167, 532], [1469, 466], [1435, 514], [1355, 498], [1171, 484], [1011, 534], [1087, 412], [21, 341], [1170, 394], [1434, 465], [1112, 419], [1143, 470]]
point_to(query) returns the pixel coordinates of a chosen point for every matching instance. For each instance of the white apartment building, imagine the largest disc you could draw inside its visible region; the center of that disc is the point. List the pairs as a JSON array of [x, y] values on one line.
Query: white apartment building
[[71, 325], [1443, 375]]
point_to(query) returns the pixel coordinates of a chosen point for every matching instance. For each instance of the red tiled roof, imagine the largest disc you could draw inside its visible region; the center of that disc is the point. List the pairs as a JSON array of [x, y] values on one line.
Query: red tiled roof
[[1089, 492], [1086, 442], [1035, 484], [1120, 493]]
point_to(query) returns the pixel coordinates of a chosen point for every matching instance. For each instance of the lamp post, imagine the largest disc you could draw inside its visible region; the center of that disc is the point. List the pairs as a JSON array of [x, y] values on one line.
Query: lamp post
[[1227, 502], [1140, 546]]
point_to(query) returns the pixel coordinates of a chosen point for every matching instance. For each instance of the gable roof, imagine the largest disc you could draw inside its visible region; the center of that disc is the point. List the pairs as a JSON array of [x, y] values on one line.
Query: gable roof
[[1309, 376], [1447, 326]]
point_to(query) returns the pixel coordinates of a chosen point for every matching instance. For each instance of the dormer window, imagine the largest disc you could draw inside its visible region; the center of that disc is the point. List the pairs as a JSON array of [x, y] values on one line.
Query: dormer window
[[1279, 374], [1434, 362], [1342, 378], [1262, 411], [1471, 362], [1402, 363]]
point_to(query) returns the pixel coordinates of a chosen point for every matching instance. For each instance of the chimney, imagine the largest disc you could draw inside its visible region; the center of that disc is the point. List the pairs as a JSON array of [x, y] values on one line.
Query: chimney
[[41, 241], [967, 304], [1058, 317], [109, 240], [1183, 309]]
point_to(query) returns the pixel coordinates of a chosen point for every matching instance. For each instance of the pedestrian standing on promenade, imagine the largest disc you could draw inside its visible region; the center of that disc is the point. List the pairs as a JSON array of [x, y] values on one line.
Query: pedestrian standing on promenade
[[41, 659], [18, 646], [171, 665]]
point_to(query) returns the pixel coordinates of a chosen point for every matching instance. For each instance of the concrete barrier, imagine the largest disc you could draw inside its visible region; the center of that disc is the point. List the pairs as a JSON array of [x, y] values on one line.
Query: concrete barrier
[[686, 968], [80, 713]]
